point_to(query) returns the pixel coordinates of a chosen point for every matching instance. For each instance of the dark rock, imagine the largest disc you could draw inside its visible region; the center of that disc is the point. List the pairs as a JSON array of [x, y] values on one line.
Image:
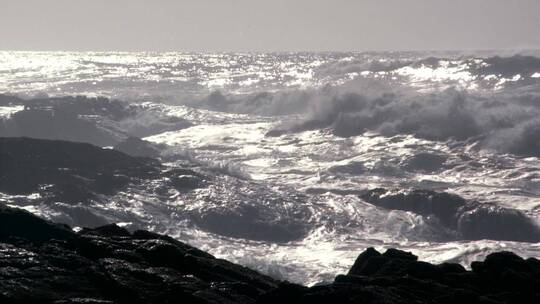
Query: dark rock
[[392, 253], [393, 261], [146, 235], [42, 262], [22, 224], [67, 171], [451, 268], [292, 292], [107, 230], [397, 277], [362, 260]]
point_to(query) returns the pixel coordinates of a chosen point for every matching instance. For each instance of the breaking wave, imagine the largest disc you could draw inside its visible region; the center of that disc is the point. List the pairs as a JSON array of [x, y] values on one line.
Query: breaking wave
[[506, 124]]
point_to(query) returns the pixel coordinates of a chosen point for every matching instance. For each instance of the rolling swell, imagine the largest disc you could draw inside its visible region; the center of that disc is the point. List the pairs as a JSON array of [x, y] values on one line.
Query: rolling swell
[[471, 219], [99, 121], [477, 66]]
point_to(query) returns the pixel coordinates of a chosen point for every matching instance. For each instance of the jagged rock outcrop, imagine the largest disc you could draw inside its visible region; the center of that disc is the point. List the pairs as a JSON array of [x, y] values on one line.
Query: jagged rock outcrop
[[41, 262], [398, 277]]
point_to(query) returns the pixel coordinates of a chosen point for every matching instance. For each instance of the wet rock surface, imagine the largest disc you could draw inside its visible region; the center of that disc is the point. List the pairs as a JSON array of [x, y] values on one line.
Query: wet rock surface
[[43, 262], [68, 171]]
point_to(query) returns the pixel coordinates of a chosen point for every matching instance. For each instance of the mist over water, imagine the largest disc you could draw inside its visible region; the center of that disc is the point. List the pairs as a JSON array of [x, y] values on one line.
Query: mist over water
[[308, 158]]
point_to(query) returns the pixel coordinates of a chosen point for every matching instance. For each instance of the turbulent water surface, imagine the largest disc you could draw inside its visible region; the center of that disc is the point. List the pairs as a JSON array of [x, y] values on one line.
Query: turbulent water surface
[[294, 141]]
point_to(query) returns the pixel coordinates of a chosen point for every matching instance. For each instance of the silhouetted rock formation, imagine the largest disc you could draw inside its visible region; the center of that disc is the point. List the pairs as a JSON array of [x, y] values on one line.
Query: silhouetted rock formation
[[397, 277], [42, 262]]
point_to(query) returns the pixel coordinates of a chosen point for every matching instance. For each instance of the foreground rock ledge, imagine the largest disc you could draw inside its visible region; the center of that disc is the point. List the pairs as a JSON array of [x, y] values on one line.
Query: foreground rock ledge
[[42, 262]]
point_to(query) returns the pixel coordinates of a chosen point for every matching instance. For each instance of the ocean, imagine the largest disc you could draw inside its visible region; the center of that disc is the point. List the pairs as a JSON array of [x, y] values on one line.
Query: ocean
[[313, 157]]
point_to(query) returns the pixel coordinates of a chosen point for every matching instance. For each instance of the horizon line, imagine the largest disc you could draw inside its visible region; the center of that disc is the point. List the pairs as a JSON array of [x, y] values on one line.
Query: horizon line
[[276, 51]]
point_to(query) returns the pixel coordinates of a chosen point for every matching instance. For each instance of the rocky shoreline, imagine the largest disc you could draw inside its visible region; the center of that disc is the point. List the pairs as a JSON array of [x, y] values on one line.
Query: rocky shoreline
[[43, 262]]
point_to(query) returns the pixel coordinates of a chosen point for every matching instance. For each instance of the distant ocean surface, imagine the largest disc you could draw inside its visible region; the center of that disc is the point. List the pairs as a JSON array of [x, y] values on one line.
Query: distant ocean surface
[[295, 141]]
